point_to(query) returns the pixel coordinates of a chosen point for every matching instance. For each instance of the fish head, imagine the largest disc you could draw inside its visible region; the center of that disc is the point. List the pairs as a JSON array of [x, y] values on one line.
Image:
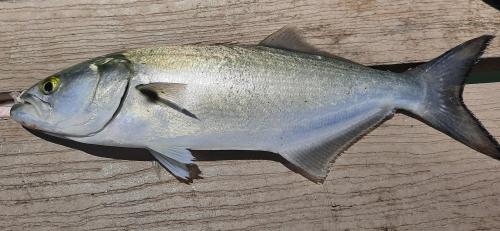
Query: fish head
[[76, 102]]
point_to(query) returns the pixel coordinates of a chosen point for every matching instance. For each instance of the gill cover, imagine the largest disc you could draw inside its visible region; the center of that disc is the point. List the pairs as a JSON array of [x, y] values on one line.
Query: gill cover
[[103, 100]]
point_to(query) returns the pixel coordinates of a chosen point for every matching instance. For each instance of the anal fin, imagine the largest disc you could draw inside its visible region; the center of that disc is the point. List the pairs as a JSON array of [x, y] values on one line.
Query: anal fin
[[312, 150]]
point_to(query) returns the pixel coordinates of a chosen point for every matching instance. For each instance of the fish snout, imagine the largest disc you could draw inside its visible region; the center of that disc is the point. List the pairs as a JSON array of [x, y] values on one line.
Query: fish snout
[[28, 108], [24, 113]]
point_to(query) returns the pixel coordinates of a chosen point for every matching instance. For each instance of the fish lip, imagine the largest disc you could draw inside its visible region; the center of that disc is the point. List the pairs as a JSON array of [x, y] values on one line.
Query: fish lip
[[32, 100]]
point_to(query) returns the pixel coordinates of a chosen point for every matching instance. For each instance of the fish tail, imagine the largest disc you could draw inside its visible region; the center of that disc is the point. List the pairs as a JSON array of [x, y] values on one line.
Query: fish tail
[[442, 106]]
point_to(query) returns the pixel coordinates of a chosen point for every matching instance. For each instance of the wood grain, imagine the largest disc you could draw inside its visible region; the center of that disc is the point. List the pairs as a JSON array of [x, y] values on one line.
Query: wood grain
[[38, 38], [402, 176]]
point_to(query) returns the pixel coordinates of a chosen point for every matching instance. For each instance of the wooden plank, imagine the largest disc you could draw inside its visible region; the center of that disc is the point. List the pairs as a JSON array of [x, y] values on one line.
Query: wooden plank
[[40, 37], [402, 176]]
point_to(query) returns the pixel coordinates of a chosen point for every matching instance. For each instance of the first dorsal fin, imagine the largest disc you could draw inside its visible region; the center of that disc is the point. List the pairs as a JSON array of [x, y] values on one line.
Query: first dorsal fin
[[168, 94], [288, 38]]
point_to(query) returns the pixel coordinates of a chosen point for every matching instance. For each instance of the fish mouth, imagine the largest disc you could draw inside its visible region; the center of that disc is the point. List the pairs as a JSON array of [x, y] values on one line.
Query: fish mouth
[[33, 101]]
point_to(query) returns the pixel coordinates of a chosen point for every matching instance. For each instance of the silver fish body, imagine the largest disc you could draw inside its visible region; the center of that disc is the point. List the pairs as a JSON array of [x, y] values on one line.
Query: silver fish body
[[247, 97], [306, 107]]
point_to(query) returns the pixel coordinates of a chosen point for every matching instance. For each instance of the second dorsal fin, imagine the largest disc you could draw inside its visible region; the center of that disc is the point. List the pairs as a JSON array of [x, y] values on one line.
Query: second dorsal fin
[[288, 38]]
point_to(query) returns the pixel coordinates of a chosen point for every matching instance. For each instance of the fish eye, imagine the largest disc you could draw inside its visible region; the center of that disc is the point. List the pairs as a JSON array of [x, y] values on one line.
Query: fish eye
[[50, 85]]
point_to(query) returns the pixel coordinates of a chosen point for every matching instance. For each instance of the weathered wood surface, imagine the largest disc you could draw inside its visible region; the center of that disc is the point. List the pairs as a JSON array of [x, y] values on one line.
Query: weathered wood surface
[[402, 176]]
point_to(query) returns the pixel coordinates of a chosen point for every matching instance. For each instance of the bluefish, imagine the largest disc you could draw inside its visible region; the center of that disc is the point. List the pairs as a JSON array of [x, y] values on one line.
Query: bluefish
[[281, 96]]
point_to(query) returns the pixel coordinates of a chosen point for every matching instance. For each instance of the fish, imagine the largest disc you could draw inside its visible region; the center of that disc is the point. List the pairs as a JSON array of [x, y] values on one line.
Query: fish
[[282, 96]]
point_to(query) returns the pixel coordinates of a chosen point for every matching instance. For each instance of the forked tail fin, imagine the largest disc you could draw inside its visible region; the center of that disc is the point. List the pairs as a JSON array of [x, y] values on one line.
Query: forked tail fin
[[443, 108]]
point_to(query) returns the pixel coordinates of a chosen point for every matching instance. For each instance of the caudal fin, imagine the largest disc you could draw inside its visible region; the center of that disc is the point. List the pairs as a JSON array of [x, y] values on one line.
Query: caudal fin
[[443, 108]]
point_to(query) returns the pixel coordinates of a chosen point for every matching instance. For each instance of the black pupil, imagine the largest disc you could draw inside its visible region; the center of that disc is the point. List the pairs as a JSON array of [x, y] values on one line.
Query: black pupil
[[48, 87]]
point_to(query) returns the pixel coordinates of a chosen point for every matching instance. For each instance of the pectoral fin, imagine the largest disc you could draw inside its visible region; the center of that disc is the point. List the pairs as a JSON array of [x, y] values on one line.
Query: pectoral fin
[[168, 94]]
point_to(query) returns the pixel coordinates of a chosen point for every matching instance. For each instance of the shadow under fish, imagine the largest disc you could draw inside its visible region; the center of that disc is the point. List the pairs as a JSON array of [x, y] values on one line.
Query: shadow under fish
[[139, 154], [493, 3]]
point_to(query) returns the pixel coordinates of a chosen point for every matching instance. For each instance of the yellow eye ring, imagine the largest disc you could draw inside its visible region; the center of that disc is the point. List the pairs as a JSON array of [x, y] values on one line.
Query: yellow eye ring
[[50, 85]]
